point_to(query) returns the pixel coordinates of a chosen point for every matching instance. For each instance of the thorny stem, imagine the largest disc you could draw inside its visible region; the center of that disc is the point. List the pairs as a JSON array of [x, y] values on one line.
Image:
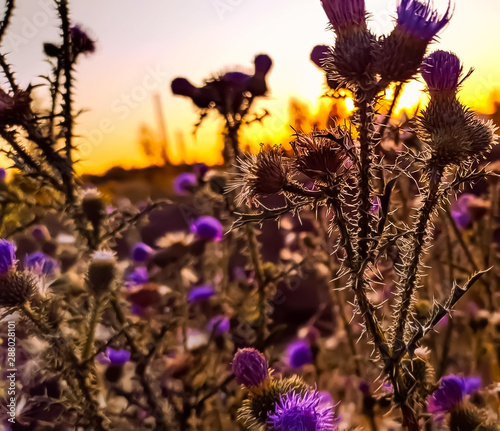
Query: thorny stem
[[60, 344], [152, 400], [67, 96], [6, 19], [94, 319], [409, 278]]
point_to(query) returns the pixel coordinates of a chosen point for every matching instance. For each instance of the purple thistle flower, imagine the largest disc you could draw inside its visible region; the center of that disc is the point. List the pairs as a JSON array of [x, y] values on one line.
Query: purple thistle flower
[[302, 412], [451, 393], [137, 277], [419, 20], [344, 15], [113, 357], [201, 293], [442, 71], [220, 324], [208, 228], [141, 252], [299, 354], [185, 183], [250, 367], [7, 256], [81, 41], [40, 263]]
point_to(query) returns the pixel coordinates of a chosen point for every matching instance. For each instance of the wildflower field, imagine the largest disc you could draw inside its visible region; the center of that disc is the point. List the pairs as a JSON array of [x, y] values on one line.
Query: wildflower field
[[345, 277]]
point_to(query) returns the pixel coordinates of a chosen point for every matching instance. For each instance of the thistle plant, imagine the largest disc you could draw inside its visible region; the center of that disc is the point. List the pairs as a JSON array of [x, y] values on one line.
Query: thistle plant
[[349, 174]]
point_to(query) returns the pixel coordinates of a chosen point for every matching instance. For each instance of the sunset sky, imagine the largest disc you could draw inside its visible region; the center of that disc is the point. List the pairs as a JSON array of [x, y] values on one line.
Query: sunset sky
[[143, 45]]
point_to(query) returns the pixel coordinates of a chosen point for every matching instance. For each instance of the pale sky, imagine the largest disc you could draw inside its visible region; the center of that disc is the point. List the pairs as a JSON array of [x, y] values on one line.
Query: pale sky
[[144, 44]]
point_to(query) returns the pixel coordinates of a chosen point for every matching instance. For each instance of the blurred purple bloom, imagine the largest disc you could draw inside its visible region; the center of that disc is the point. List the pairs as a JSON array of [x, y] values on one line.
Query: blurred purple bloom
[[208, 228], [113, 357], [220, 324], [419, 20], [451, 393], [137, 277], [302, 412], [81, 41], [7, 256], [141, 252], [460, 211], [298, 354], [40, 233], [250, 367], [319, 54], [201, 293], [137, 310], [345, 14], [41, 263], [3, 174], [441, 71], [185, 183]]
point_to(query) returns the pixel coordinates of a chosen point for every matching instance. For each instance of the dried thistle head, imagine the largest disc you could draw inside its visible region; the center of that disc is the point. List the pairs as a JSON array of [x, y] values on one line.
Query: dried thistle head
[[16, 288], [323, 158], [101, 272], [264, 174]]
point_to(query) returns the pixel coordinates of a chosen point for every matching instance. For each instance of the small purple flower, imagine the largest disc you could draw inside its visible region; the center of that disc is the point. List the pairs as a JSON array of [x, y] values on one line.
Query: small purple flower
[[442, 71], [345, 14], [7, 256], [185, 183], [220, 324], [81, 41], [137, 277], [40, 263], [419, 20], [451, 393], [250, 367], [113, 357], [302, 412], [208, 228], [299, 354], [201, 293], [141, 252]]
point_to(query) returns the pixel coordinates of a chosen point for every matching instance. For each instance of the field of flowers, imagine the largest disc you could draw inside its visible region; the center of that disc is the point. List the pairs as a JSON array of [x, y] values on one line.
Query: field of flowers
[[345, 280]]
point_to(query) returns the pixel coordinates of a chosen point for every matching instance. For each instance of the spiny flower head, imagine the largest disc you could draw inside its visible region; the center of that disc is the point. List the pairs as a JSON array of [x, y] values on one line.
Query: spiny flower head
[[14, 109], [264, 174], [451, 393], [207, 228], [442, 71], [419, 19], [250, 368], [16, 287], [323, 156], [302, 412], [345, 15], [7, 256], [81, 41]]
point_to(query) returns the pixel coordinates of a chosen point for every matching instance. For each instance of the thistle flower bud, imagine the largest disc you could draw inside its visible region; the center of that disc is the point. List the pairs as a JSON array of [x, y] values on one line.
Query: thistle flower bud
[[93, 206], [16, 287], [202, 97], [264, 174], [453, 132], [250, 368], [101, 272], [302, 411], [81, 42], [319, 55], [442, 72], [401, 53], [323, 159], [14, 109], [257, 83], [299, 354], [466, 418]]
